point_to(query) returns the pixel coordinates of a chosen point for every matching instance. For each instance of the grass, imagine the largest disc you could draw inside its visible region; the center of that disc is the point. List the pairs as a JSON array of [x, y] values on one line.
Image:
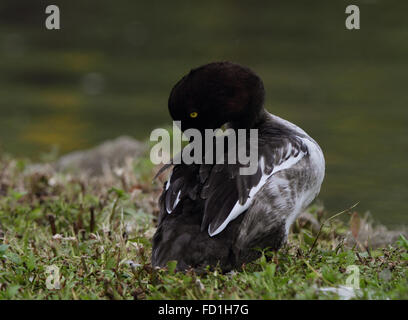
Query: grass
[[96, 235]]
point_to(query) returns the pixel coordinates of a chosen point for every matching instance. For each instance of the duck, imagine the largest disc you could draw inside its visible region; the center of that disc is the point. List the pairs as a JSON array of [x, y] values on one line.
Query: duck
[[211, 215]]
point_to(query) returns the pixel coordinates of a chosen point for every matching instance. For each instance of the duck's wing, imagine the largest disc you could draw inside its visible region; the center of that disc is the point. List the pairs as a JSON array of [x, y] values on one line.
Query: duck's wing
[[227, 193], [223, 192], [183, 182]]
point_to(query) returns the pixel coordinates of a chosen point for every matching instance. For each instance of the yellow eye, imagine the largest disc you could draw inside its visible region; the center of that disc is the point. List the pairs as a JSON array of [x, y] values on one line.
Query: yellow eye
[[193, 114]]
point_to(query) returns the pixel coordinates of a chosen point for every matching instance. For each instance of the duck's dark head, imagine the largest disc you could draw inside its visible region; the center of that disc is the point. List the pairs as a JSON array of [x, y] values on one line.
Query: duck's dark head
[[215, 94]]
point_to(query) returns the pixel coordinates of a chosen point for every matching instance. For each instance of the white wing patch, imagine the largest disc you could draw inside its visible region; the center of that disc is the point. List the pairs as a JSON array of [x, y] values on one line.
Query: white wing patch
[[238, 208], [175, 203]]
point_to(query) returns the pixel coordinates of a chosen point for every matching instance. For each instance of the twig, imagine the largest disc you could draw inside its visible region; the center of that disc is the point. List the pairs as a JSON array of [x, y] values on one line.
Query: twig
[[327, 220], [84, 264], [92, 222], [51, 219]]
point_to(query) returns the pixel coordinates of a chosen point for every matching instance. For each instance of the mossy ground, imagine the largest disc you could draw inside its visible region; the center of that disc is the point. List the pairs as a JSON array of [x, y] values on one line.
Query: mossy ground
[[98, 231]]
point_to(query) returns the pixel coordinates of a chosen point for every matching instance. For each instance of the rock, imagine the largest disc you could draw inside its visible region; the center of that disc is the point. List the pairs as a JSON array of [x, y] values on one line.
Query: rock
[[374, 236], [369, 234], [106, 156]]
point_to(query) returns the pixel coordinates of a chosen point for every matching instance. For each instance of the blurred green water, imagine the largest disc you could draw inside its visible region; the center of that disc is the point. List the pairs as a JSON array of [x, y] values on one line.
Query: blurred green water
[[110, 68]]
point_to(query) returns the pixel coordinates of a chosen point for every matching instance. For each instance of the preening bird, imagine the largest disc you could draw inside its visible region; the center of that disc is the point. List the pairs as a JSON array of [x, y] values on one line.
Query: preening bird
[[210, 213]]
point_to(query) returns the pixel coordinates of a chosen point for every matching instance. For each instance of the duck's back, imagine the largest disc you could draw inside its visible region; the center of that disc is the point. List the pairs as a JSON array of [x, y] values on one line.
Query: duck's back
[[210, 214]]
